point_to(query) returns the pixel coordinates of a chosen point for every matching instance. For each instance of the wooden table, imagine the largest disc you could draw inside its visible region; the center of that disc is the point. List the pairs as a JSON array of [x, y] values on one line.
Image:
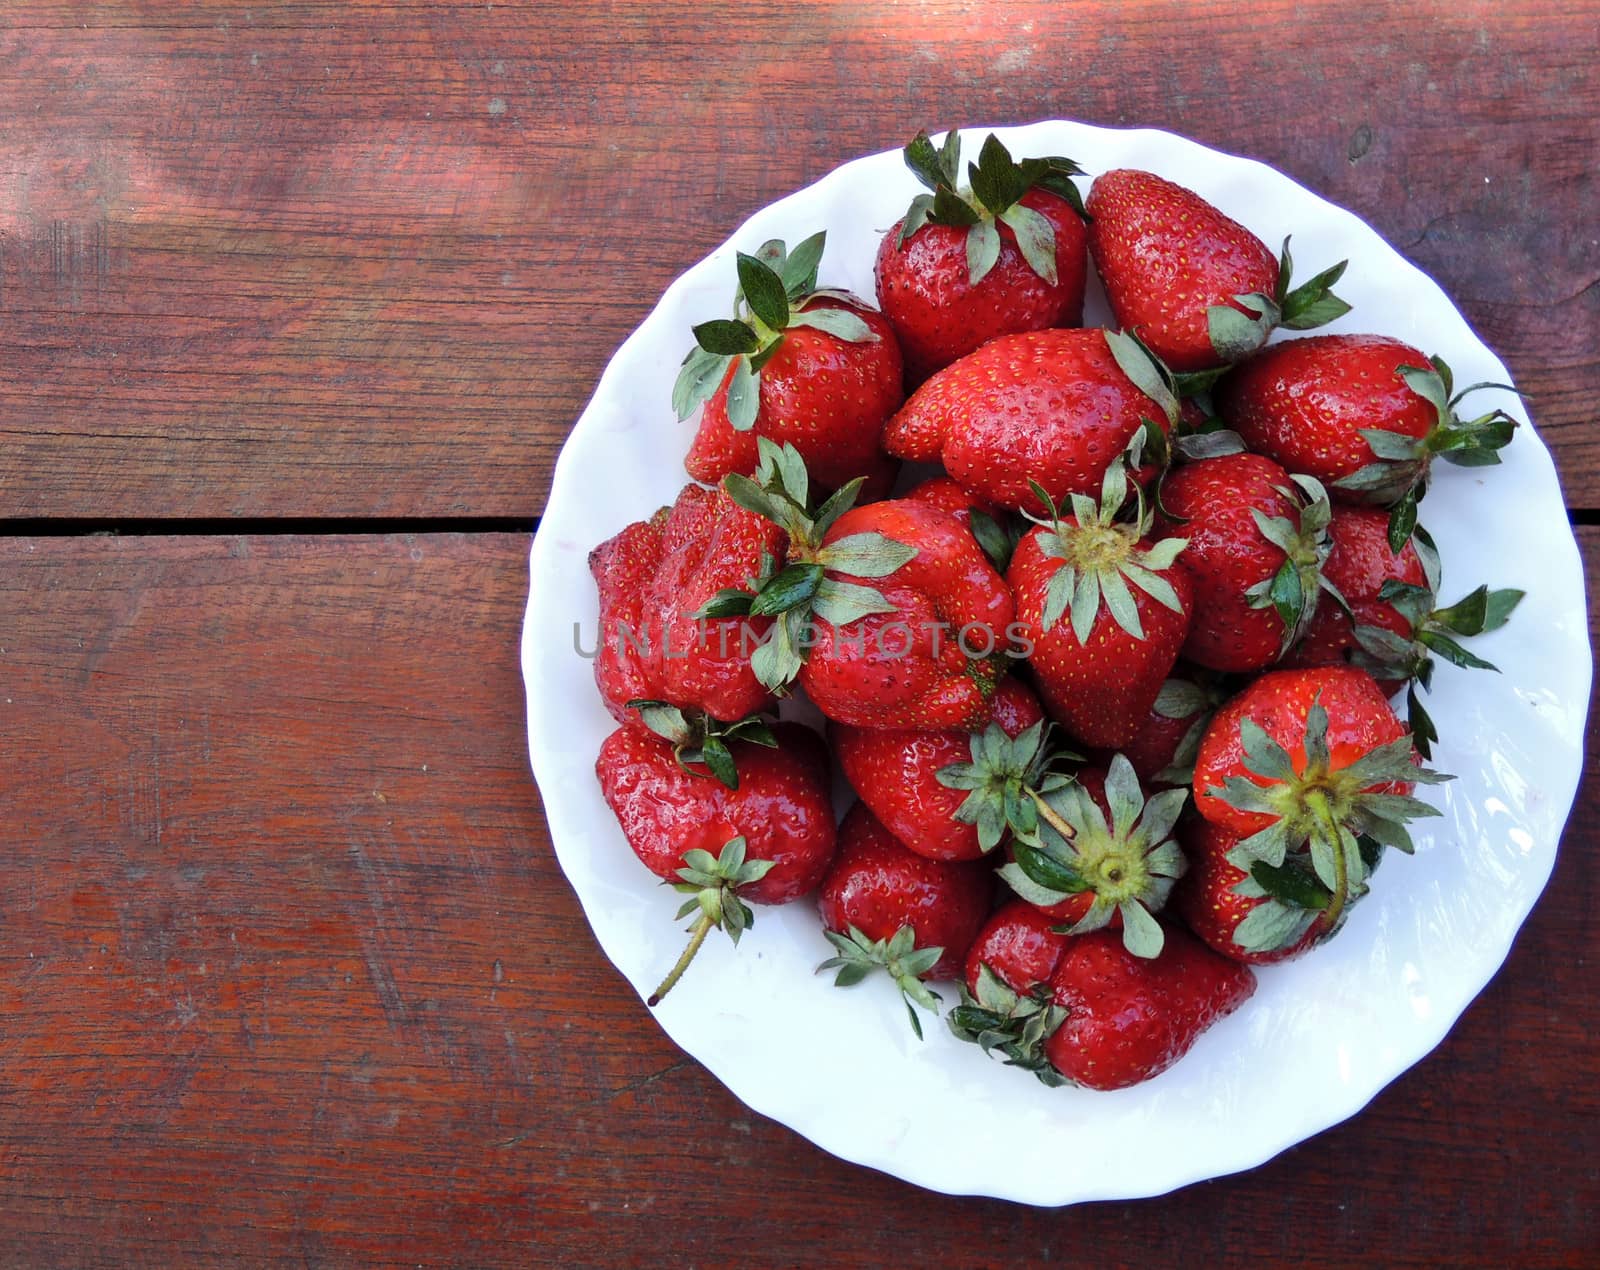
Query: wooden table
[[297, 303]]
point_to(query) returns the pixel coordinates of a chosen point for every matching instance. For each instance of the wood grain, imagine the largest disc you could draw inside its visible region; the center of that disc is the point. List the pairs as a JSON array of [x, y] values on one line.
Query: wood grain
[[333, 259], [288, 972]]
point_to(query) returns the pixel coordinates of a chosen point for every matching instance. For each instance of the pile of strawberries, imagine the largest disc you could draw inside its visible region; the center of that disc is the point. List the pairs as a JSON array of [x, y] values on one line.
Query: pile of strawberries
[[1113, 685]]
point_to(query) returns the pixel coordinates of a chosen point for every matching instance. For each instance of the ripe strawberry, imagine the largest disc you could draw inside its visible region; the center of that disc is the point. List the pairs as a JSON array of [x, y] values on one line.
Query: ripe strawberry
[[897, 774], [654, 577], [1394, 624], [1226, 907], [1199, 288], [963, 266], [1127, 600], [1302, 765], [1085, 1010], [683, 825], [995, 531], [886, 907], [923, 649], [1106, 857], [1054, 408], [819, 370], [1364, 414], [1162, 750], [1255, 549]]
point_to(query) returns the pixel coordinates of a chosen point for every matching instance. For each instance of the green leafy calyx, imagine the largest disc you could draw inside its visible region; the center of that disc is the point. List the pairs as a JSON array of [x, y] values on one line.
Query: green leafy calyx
[[776, 286], [992, 197], [1103, 560], [1007, 779], [1239, 329], [1295, 588], [813, 582], [1129, 863], [1397, 476], [1011, 1024], [712, 884], [699, 741], [1320, 811], [905, 963]]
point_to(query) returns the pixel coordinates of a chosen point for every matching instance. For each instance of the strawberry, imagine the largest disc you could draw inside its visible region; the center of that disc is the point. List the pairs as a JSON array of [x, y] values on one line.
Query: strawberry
[[1225, 906], [816, 369], [1049, 408], [962, 266], [996, 532], [923, 649], [1106, 857], [1394, 624], [897, 774], [1162, 750], [1084, 1009], [1105, 610], [1199, 288], [684, 825], [1256, 544], [1302, 765], [654, 578], [1364, 414], [886, 907]]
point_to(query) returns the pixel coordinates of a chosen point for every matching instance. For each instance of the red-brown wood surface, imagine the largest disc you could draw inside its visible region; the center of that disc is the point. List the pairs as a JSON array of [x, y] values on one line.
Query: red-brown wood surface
[[345, 259], [287, 969]]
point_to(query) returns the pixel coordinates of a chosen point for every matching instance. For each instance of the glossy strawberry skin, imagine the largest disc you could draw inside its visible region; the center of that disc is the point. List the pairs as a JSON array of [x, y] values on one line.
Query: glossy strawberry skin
[[1154, 745], [908, 669], [895, 773], [1128, 1018], [783, 807], [939, 317], [1100, 691], [826, 396], [1360, 720], [1205, 898], [1358, 564], [1210, 503], [949, 495], [652, 578], [1303, 402], [1166, 256], [877, 885], [1051, 405]]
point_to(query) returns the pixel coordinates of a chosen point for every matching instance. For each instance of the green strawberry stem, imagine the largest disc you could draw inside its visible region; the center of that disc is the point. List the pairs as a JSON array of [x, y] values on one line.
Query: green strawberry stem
[[1317, 801], [697, 936]]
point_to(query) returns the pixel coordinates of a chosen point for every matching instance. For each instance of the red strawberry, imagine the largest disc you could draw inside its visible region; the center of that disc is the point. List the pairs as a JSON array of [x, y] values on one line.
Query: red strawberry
[[996, 532], [922, 649], [1162, 750], [1056, 408], [1199, 288], [819, 370], [1209, 900], [1364, 414], [1104, 609], [1359, 563], [884, 906], [1394, 624], [896, 774], [683, 825], [1302, 765], [654, 578], [963, 266], [1104, 857], [1085, 1009], [1256, 545]]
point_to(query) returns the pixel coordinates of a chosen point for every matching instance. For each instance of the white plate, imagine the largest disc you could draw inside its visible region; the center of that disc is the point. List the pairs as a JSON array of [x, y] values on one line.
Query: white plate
[[1322, 1035]]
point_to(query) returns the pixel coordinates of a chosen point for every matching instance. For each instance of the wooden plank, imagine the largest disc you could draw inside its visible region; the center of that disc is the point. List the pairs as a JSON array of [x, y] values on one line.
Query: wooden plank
[[325, 259], [288, 970]]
